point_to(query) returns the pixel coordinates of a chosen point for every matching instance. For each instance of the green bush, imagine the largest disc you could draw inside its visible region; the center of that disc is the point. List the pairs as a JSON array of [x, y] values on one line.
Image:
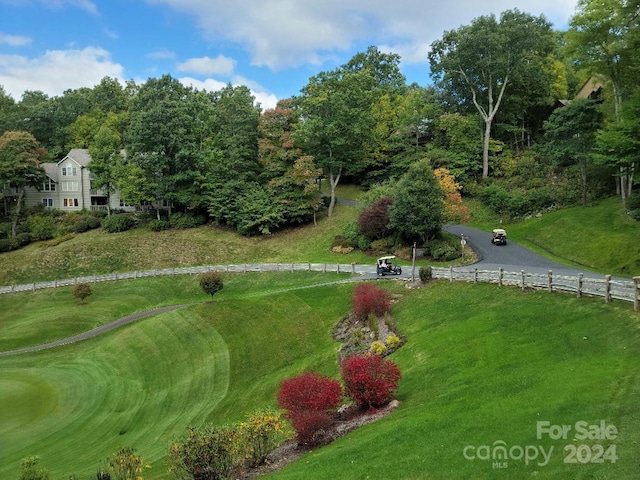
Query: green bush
[[445, 252], [159, 225], [181, 220], [633, 201], [93, 221], [5, 245], [425, 274], [42, 227], [5, 230], [22, 239], [118, 223]]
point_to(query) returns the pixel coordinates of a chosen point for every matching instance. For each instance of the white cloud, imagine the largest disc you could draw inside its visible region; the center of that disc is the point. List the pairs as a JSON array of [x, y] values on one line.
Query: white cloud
[[56, 71], [265, 99], [285, 33], [162, 55], [14, 40], [220, 65]]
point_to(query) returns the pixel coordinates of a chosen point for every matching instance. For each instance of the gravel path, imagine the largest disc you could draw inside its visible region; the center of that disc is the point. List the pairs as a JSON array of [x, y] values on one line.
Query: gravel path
[[92, 333]]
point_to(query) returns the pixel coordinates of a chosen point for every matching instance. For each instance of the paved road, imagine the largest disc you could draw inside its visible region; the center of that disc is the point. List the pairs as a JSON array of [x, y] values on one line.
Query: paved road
[[512, 256]]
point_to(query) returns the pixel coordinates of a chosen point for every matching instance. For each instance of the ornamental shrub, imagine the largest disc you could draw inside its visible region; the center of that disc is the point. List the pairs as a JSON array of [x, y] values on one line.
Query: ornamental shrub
[[378, 347], [369, 380], [159, 225], [425, 274], [118, 223], [309, 426], [368, 299], [309, 391], [260, 434], [125, 464], [208, 452], [393, 341]]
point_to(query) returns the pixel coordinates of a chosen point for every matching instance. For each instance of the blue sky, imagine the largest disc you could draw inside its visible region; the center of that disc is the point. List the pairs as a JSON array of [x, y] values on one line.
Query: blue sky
[[271, 46]]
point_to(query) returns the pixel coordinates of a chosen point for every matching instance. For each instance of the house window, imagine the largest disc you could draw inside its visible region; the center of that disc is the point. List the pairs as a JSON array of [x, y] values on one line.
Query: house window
[[69, 171], [47, 202], [70, 202], [49, 186], [70, 186]]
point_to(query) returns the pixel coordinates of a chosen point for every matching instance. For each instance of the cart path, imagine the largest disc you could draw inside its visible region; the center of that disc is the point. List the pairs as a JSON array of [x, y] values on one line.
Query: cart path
[[95, 332]]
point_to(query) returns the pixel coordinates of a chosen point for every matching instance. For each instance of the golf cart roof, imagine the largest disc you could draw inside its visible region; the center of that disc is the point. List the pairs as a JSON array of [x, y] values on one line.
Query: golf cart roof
[[388, 257], [499, 231]]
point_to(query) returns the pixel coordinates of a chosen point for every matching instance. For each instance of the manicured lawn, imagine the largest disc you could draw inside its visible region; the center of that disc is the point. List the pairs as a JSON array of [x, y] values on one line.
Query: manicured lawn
[[482, 364]]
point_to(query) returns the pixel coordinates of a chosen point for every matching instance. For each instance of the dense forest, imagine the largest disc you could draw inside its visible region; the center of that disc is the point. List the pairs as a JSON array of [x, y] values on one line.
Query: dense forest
[[518, 115]]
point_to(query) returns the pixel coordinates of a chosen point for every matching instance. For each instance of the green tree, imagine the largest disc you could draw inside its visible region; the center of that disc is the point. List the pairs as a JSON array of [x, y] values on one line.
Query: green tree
[[8, 112], [20, 156], [417, 210], [618, 144], [106, 159], [479, 63], [165, 131], [603, 38], [211, 283], [338, 123], [81, 291], [570, 133]]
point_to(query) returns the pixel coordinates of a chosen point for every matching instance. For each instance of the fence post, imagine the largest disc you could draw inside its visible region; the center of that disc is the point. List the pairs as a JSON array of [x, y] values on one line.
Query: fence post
[[522, 279], [550, 281], [451, 273], [500, 276], [579, 293], [337, 270], [607, 290], [475, 275], [636, 294], [353, 268]]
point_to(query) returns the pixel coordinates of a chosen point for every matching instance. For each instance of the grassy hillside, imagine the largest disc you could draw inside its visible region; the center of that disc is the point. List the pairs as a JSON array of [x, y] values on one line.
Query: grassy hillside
[[482, 364]]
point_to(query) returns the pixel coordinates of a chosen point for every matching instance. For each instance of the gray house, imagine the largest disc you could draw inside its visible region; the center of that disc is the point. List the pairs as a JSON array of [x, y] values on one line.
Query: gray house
[[68, 187]]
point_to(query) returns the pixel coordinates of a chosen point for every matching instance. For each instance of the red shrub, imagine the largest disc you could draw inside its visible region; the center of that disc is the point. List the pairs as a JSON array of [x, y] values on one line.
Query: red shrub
[[373, 223], [370, 380], [367, 298], [309, 424], [309, 391]]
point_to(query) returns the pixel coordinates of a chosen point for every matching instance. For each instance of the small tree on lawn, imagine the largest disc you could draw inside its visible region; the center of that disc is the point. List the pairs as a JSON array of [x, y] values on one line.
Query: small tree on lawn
[[211, 282], [367, 299], [370, 380], [309, 400], [81, 291]]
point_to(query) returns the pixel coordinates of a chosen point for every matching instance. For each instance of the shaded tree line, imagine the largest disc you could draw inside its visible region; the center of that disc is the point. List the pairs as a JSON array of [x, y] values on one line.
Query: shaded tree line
[[492, 118]]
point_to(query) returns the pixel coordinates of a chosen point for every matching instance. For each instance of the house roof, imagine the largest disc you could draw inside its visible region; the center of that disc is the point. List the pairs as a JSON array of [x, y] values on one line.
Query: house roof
[[78, 155], [51, 169]]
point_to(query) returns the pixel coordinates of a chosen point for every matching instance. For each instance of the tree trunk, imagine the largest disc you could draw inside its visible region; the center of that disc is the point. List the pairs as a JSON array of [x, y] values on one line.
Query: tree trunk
[[485, 148], [333, 183], [16, 213]]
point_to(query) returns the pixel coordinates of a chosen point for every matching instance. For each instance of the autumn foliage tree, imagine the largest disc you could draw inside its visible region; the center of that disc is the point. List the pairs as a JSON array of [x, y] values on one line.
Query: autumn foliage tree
[[309, 401], [454, 210], [373, 223], [370, 380], [368, 299]]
